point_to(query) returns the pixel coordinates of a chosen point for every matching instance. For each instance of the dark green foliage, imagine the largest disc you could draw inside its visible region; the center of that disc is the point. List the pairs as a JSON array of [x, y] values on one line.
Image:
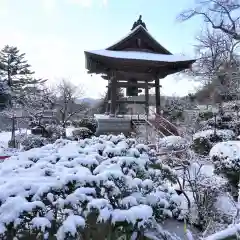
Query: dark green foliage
[[16, 76], [37, 131], [173, 110], [82, 133], [89, 122], [205, 115], [4, 99], [225, 121], [4, 94], [203, 145], [16, 73], [230, 168], [32, 141]]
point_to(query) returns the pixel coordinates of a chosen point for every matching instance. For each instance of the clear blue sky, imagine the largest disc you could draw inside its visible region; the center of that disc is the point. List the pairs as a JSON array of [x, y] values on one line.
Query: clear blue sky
[[54, 34]]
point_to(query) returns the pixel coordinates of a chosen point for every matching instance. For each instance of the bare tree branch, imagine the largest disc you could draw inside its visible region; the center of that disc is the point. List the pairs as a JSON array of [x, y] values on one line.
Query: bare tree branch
[[222, 15], [68, 95], [215, 49]]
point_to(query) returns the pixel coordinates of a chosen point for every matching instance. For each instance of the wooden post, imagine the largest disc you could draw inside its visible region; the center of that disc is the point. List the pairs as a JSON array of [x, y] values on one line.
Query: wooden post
[[108, 98], [147, 100], [157, 95], [113, 95]]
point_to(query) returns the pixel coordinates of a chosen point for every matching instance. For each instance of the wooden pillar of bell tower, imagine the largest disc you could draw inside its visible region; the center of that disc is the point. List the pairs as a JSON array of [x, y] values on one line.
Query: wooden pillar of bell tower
[[147, 100], [113, 105], [157, 96], [108, 98]]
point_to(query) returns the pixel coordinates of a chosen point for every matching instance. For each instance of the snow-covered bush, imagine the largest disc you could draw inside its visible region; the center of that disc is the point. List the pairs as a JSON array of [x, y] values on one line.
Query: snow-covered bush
[[173, 143], [31, 141], [205, 191], [36, 131], [228, 121], [203, 141], [82, 133], [229, 233], [175, 149], [99, 188], [173, 110], [55, 131], [51, 131], [90, 123], [226, 158], [205, 115]]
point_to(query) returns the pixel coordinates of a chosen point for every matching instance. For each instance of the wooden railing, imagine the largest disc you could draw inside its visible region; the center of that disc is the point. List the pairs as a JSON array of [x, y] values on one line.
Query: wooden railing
[[162, 122]]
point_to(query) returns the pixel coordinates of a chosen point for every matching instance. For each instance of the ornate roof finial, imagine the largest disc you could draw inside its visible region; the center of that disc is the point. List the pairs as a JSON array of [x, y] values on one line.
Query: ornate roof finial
[[139, 22]]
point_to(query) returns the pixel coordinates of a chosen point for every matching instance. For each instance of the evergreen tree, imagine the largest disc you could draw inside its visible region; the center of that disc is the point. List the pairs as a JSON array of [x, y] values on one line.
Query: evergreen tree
[[4, 95], [15, 73]]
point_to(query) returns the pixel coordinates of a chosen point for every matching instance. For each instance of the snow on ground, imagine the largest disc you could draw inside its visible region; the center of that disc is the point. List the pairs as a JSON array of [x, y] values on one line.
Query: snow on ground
[[226, 205], [5, 137]]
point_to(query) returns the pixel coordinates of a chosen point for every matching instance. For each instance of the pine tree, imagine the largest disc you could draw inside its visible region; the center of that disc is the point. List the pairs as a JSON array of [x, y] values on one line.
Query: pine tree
[[4, 95], [15, 73]]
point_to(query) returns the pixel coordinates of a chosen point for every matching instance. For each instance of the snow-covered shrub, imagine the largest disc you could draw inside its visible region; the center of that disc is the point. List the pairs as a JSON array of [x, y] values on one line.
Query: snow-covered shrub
[[225, 121], [37, 130], [226, 158], [82, 133], [173, 143], [91, 189], [205, 115], [90, 123], [203, 189], [48, 129], [173, 110], [203, 141], [31, 141], [175, 149], [55, 131], [231, 232]]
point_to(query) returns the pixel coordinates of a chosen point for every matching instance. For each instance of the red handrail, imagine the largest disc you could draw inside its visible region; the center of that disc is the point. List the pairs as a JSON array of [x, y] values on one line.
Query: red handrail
[[4, 157]]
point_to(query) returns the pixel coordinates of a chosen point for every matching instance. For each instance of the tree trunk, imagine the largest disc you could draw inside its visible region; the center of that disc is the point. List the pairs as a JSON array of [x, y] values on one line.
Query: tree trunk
[[64, 135], [13, 140]]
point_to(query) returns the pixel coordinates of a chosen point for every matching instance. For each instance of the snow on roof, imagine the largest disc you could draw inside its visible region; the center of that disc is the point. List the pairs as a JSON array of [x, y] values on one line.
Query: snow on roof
[[132, 32], [141, 56]]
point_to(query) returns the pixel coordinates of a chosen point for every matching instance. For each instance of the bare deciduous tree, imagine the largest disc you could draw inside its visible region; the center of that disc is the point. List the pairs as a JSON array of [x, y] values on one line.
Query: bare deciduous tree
[[218, 54], [215, 50], [38, 104], [67, 107], [220, 14]]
